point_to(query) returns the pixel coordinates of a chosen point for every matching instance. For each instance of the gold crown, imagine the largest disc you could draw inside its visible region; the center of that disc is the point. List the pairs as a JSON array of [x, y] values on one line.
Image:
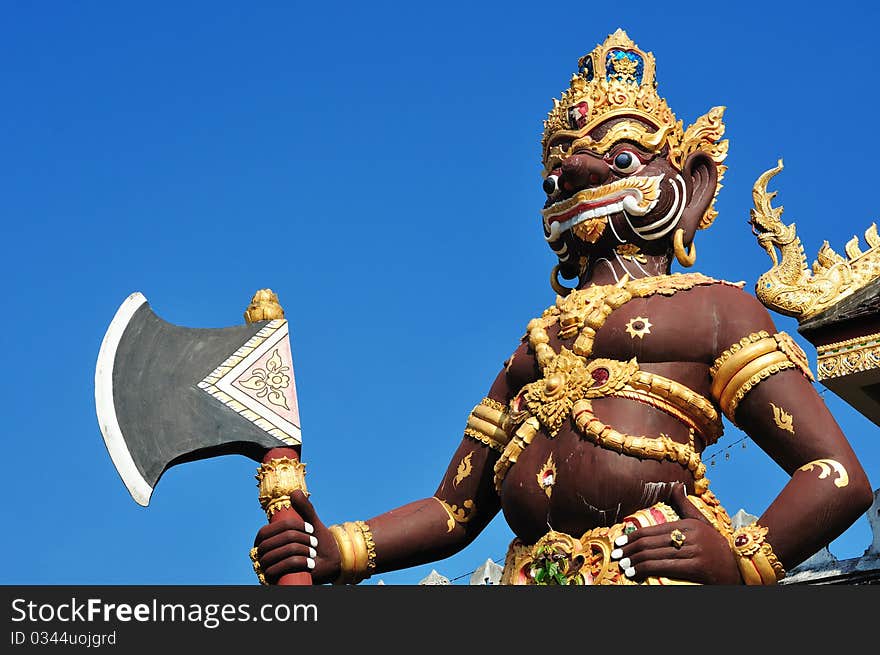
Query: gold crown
[[615, 80]]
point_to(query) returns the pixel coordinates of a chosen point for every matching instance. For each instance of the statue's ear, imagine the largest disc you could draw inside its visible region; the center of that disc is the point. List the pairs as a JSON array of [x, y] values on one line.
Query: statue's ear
[[700, 175]]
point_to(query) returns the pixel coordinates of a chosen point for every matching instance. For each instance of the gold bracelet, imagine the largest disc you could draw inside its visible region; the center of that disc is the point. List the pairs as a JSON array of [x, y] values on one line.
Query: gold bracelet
[[757, 562], [357, 551]]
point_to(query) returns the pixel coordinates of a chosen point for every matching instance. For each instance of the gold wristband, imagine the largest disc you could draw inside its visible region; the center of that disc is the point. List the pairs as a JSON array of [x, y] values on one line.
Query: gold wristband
[[757, 562], [357, 551]]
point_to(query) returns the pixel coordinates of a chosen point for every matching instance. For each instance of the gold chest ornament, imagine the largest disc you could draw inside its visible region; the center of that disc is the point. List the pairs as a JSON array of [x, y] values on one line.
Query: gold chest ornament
[[571, 379]]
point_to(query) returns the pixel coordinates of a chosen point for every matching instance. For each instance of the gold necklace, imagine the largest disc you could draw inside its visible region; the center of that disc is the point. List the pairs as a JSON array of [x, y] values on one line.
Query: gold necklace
[[583, 311]]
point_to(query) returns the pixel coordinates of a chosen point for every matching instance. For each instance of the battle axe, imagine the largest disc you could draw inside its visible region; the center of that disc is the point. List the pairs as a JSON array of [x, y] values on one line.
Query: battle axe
[[166, 394]]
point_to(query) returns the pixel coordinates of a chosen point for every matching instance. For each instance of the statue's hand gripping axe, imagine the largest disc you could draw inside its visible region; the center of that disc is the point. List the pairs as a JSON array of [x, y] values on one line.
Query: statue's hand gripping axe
[[166, 394]]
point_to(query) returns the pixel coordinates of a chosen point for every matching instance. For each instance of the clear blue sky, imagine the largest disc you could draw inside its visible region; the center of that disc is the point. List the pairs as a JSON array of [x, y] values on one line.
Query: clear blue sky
[[377, 165]]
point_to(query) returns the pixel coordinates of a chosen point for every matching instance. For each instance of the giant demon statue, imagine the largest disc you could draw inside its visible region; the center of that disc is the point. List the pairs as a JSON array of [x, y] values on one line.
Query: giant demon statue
[[589, 439]]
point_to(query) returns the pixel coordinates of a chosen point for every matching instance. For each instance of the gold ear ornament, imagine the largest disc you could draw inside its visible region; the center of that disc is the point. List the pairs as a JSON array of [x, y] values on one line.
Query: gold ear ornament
[[558, 287], [686, 258]]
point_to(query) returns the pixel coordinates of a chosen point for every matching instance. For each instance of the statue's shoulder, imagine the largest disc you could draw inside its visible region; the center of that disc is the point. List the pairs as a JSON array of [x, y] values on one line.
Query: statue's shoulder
[[736, 312], [675, 283]]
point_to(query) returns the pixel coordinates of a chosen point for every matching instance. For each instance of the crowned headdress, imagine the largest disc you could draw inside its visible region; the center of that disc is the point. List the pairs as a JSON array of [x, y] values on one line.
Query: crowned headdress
[[616, 80]]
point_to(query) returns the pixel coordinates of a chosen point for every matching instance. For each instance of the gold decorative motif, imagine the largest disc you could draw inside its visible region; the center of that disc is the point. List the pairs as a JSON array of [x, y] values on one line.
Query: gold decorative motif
[[551, 399], [639, 327], [668, 285], [647, 138], [269, 382], [457, 514], [791, 288], [617, 80], [464, 469], [826, 466], [850, 356], [795, 353], [264, 306], [547, 476], [277, 479], [757, 562], [783, 420], [608, 376], [631, 253]]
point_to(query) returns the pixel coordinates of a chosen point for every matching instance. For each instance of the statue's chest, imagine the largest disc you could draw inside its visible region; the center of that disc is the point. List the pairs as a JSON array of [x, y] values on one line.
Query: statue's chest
[[656, 328]]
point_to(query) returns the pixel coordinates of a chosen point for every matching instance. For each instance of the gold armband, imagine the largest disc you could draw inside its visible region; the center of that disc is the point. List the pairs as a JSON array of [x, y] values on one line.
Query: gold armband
[[754, 556], [486, 424], [357, 551], [749, 361]]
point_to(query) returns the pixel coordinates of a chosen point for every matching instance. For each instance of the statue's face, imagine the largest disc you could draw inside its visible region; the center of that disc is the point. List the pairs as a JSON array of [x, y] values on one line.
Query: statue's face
[[611, 186]]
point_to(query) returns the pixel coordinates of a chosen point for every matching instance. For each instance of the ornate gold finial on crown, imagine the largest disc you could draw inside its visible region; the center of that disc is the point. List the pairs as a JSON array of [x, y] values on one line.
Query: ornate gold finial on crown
[[617, 79]]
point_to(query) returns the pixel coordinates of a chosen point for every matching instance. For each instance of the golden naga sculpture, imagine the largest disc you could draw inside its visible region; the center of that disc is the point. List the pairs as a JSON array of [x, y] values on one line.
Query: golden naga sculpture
[[790, 287]]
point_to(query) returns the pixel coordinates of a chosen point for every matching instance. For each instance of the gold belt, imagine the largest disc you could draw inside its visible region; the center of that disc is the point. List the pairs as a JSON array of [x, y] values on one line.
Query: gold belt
[[569, 378], [560, 559]]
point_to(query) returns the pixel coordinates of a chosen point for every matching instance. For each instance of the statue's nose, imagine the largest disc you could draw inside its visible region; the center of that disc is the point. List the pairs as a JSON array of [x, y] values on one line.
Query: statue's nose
[[583, 170]]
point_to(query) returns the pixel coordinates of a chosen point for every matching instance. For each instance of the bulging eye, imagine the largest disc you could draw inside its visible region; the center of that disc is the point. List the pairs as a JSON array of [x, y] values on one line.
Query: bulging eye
[[626, 162], [551, 184]]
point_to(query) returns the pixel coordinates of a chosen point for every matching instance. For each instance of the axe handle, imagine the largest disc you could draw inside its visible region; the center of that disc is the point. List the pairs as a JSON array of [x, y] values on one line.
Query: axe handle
[[288, 579]]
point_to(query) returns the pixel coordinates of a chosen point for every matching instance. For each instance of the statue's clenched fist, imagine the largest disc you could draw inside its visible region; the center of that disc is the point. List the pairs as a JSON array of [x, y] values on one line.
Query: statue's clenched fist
[[297, 545]]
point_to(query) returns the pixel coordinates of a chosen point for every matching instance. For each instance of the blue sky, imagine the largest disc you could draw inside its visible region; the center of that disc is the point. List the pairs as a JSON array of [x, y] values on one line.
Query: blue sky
[[377, 165]]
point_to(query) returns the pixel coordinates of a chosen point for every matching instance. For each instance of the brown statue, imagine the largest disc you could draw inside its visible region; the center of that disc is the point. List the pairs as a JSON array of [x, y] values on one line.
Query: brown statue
[[589, 439]]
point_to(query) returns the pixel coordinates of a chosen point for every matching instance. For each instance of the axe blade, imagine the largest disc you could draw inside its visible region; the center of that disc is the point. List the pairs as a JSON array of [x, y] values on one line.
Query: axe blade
[[166, 394]]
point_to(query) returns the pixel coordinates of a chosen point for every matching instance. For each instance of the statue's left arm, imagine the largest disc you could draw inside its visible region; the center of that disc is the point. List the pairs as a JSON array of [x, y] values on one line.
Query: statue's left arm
[[764, 386], [762, 382]]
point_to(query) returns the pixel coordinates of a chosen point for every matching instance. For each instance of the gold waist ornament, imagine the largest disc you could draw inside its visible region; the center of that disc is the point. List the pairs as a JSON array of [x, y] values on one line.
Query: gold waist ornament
[[560, 559]]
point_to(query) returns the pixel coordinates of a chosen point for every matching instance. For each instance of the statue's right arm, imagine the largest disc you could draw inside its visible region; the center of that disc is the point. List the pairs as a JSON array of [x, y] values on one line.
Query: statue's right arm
[[418, 532]]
